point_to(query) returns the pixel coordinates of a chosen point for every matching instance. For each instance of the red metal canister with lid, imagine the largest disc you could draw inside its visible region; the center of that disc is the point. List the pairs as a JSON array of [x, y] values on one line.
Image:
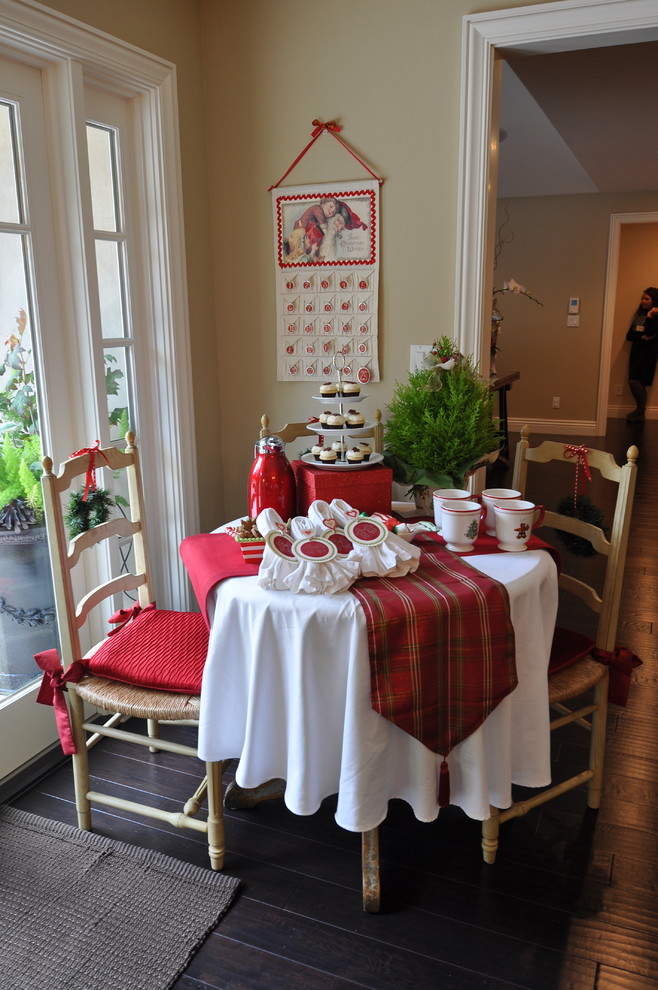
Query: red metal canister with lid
[[271, 480]]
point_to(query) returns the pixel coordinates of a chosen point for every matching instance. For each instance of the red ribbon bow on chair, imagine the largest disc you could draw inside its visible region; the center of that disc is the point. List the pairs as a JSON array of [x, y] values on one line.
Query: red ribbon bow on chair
[[621, 662], [580, 453], [124, 615], [90, 479], [51, 692]]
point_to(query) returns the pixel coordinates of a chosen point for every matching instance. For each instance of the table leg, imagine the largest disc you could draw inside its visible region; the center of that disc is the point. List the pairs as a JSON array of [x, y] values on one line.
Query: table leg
[[370, 869], [237, 797]]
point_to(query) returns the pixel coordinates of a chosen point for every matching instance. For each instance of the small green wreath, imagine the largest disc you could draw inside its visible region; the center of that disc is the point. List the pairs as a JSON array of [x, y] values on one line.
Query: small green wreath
[[84, 515], [585, 510]]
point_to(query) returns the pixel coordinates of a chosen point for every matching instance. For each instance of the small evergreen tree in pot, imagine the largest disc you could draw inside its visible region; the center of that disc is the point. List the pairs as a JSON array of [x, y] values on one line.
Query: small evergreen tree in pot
[[441, 423]]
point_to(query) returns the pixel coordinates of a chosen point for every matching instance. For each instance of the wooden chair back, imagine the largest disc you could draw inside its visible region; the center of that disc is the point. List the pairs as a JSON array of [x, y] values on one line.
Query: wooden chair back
[[66, 554], [605, 603]]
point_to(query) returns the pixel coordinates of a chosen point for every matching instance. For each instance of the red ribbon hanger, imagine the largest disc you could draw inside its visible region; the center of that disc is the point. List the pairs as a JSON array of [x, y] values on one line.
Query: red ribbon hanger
[[580, 453], [324, 127], [90, 479]]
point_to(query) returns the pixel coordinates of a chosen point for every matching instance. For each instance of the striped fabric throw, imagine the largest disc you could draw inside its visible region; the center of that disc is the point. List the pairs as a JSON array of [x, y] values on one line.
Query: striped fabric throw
[[441, 647]]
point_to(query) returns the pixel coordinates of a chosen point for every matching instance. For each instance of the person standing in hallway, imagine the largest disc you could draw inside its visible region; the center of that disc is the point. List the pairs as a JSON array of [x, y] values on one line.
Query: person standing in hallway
[[643, 335]]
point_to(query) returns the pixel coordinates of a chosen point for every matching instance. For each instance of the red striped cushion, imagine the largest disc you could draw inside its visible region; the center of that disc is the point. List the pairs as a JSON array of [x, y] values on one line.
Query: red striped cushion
[[158, 649]]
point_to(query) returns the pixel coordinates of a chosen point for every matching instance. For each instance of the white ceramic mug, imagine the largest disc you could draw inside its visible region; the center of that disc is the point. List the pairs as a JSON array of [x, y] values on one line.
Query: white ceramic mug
[[441, 494], [460, 523], [489, 498], [515, 521]]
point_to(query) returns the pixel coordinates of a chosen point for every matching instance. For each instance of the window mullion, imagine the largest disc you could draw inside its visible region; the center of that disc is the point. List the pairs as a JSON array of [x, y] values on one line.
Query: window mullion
[[64, 93]]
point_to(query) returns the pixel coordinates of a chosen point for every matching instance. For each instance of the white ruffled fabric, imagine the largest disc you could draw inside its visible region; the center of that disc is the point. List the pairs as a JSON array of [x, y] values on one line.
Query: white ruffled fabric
[[297, 574], [392, 558]]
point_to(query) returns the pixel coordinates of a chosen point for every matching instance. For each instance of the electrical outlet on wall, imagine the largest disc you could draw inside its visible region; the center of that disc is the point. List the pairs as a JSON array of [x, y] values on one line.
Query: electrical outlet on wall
[[417, 355], [556, 402]]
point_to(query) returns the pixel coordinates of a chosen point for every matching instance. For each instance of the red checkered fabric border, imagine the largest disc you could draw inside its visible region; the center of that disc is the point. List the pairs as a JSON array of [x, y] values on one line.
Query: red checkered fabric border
[[441, 646]]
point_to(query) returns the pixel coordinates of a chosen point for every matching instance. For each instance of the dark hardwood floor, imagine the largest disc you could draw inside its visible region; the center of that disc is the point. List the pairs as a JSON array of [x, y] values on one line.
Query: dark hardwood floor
[[571, 903]]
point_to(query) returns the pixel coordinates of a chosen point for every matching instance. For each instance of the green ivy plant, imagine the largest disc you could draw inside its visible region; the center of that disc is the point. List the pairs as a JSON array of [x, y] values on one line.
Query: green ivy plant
[[441, 423]]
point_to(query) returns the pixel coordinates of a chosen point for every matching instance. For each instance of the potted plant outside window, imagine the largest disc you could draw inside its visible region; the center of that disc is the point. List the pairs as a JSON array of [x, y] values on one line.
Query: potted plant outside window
[[27, 604]]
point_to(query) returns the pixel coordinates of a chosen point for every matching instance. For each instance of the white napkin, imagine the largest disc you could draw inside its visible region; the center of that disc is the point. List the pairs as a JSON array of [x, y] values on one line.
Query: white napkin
[[393, 557], [275, 567], [297, 572]]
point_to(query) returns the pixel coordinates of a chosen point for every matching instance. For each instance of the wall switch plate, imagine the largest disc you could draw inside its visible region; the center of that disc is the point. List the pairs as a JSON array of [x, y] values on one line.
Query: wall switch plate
[[573, 321], [417, 355]]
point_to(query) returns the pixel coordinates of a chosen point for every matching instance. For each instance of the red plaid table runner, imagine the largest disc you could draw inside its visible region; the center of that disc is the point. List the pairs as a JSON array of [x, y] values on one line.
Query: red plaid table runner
[[441, 647]]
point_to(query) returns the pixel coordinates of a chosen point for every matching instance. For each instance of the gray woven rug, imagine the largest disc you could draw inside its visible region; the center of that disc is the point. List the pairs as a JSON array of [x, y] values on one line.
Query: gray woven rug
[[79, 911]]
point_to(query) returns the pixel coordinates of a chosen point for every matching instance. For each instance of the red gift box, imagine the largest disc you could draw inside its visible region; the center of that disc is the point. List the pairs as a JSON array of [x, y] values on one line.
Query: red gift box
[[366, 489]]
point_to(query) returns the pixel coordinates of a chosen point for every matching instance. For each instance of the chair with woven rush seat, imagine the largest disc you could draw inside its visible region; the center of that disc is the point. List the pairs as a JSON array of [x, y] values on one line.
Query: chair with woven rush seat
[[291, 431], [149, 668], [573, 672]]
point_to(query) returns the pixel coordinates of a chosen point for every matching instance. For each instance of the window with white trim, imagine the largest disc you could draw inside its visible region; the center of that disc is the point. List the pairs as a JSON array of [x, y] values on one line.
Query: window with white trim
[[104, 249]]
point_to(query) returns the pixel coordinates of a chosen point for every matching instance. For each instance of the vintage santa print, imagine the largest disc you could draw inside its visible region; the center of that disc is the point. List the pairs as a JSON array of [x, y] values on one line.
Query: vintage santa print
[[329, 225], [327, 265]]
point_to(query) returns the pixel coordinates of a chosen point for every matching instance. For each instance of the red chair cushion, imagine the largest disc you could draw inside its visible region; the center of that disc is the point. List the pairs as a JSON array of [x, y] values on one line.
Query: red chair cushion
[[157, 649], [568, 648]]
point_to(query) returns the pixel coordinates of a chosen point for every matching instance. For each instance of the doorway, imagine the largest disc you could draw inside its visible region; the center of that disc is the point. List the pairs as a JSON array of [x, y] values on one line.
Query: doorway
[[632, 266], [526, 30]]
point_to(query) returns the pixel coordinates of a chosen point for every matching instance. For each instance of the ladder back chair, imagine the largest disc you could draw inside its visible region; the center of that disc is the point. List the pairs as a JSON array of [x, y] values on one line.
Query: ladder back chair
[[292, 431], [148, 669], [568, 678]]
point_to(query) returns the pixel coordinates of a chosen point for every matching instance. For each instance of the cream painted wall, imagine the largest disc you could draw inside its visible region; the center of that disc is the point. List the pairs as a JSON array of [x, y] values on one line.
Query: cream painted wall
[[638, 269], [559, 250], [390, 73]]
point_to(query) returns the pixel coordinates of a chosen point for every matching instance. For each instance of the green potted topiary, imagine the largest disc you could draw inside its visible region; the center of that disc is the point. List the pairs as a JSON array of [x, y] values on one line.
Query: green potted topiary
[[441, 424]]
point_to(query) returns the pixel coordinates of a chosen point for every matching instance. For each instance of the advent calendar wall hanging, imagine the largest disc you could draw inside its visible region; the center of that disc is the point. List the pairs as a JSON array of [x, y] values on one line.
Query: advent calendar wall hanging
[[326, 240]]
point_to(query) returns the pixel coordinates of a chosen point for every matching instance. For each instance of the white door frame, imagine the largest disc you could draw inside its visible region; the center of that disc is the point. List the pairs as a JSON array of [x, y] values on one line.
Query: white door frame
[[551, 27], [617, 221]]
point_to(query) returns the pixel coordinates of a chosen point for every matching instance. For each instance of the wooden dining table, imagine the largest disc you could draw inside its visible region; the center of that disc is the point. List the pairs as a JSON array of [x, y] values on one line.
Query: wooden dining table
[[287, 691]]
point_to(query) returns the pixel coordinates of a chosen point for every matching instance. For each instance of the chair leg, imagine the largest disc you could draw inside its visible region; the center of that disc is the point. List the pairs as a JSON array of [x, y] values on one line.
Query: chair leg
[[597, 743], [80, 761], [193, 804], [370, 870], [153, 729], [490, 830], [216, 840]]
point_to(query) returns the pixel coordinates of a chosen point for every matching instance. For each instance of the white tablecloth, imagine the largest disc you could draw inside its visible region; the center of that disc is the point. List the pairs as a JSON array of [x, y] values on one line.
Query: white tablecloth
[[286, 688]]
